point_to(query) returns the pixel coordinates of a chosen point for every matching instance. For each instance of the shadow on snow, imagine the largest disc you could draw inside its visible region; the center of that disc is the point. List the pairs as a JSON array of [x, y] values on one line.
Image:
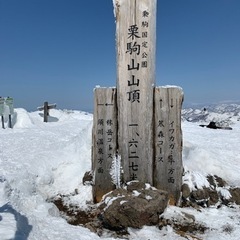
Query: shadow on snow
[[22, 225]]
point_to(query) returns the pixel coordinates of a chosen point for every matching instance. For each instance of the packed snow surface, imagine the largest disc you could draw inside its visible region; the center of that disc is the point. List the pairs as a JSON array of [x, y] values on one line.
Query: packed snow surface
[[40, 160]]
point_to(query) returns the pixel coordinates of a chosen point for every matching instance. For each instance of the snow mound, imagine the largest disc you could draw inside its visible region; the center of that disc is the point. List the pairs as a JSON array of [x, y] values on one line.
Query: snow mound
[[20, 119], [41, 160]]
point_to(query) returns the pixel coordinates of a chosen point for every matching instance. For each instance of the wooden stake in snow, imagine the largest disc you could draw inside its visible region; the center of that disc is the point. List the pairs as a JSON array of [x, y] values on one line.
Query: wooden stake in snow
[[46, 107], [135, 34], [104, 146], [6, 108]]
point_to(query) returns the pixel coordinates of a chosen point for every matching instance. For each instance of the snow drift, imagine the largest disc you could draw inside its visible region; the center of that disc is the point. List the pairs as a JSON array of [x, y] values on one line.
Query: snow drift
[[41, 160]]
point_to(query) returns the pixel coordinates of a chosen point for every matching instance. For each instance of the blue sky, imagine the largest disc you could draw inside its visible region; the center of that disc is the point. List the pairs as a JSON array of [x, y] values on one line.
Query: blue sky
[[59, 50]]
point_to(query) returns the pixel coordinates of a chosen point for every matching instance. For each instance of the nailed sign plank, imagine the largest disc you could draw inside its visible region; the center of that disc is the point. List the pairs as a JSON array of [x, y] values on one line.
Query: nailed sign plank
[[104, 146], [136, 37], [168, 167]]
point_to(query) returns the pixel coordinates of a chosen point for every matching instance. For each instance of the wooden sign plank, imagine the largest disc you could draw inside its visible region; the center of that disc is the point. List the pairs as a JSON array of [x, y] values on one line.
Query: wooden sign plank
[[104, 146], [168, 167], [136, 41]]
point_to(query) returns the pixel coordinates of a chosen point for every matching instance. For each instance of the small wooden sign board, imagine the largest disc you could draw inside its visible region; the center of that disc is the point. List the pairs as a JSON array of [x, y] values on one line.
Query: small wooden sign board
[[104, 148]]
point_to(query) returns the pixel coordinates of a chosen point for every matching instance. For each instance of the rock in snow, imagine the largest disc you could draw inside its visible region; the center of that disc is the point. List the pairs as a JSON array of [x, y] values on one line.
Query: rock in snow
[[134, 206]]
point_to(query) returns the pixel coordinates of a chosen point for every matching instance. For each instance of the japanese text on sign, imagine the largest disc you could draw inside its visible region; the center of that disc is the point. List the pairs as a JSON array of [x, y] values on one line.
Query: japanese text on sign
[[137, 49]]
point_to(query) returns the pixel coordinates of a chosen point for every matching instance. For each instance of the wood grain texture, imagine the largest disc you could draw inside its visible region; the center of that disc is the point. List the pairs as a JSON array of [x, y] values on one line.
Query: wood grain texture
[[136, 44], [168, 168], [104, 140]]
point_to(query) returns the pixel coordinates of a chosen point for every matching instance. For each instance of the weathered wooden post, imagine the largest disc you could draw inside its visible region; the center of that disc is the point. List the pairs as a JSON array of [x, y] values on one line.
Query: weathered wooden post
[[136, 37], [168, 167], [45, 112], [46, 107], [104, 146]]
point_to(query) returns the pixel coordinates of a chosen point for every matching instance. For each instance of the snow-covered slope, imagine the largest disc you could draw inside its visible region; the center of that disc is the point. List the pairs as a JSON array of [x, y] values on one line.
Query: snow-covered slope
[[41, 160], [222, 114]]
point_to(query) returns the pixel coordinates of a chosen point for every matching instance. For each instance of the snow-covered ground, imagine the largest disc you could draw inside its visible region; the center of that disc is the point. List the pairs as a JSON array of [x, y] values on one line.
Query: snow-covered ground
[[40, 160]]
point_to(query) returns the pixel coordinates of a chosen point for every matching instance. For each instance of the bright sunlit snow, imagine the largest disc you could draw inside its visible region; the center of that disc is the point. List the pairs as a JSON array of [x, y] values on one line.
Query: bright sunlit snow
[[40, 160]]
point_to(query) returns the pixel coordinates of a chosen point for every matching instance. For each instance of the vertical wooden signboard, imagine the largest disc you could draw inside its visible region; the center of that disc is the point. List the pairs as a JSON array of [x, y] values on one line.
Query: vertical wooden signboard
[[168, 168], [136, 37], [140, 122], [104, 140]]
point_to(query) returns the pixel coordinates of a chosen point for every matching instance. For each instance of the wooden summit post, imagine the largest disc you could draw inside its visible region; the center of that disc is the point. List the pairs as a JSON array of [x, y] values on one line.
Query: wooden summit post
[[144, 141], [136, 44]]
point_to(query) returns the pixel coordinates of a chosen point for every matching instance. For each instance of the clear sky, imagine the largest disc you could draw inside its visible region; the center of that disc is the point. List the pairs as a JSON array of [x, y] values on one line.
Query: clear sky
[[59, 50]]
